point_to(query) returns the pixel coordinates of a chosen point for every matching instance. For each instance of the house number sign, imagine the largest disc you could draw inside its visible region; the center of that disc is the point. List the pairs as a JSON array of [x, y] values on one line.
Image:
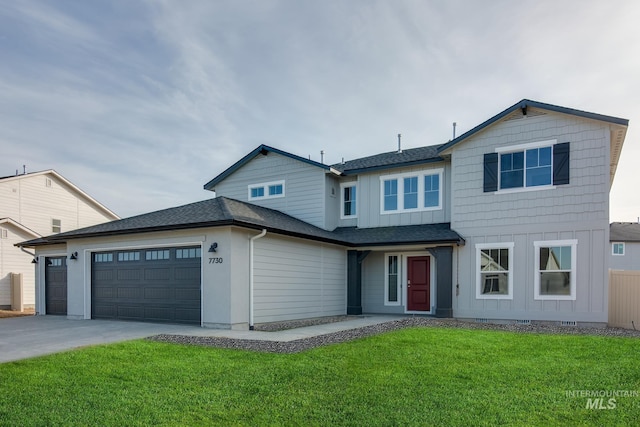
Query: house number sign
[[215, 260]]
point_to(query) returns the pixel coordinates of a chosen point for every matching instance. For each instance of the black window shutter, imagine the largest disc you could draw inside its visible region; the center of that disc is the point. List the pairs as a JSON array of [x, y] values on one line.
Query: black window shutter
[[561, 163], [490, 172]]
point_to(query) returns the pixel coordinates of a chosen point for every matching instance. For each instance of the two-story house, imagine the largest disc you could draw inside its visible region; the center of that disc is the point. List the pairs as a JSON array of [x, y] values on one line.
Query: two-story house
[[34, 205], [507, 222]]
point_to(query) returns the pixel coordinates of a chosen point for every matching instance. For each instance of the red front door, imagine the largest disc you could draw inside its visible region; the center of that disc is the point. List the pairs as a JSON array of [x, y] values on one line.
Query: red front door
[[418, 292]]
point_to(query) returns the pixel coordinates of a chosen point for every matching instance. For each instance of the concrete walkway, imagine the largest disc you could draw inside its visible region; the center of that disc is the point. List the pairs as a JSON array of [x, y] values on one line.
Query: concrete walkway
[[25, 337]]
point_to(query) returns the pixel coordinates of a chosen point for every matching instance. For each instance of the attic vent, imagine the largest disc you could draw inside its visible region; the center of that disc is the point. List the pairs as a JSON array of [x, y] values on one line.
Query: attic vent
[[47, 182], [523, 322], [516, 115], [568, 323], [3, 233], [481, 320]]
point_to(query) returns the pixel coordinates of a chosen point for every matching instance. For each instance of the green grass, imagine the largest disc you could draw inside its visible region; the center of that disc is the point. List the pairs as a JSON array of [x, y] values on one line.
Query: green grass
[[409, 377]]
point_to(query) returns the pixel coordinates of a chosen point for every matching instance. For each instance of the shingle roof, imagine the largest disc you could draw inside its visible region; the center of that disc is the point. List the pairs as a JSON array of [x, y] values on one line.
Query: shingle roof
[[391, 159], [624, 232], [222, 211]]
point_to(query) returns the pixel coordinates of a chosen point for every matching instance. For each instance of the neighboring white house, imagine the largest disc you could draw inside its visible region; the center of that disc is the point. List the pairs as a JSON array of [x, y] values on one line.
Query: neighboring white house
[[34, 205], [625, 245], [507, 222]]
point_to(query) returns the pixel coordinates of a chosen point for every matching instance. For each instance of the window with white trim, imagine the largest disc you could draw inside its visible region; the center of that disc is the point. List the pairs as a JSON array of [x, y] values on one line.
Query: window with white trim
[[266, 190], [617, 248], [555, 269], [527, 165], [392, 279], [494, 270], [410, 192], [348, 200], [56, 225]]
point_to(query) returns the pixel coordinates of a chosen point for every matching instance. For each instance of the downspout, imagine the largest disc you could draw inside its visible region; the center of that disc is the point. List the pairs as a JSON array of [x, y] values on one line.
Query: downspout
[[251, 240]]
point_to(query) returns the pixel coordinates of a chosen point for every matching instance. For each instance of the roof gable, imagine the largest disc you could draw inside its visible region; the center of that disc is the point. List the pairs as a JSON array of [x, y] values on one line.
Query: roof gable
[[523, 105], [261, 150], [29, 233], [53, 174]]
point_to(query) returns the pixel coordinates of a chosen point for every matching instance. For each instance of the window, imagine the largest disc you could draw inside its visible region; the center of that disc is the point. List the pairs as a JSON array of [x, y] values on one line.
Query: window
[[128, 256], [618, 249], [3, 233], [411, 192], [420, 191], [157, 255], [266, 190], [494, 277], [527, 166], [555, 263], [188, 253], [391, 195], [103, 257], [54, 262], [392, 278], [275, 190], [431, 191], [56, 225], [348, 202]]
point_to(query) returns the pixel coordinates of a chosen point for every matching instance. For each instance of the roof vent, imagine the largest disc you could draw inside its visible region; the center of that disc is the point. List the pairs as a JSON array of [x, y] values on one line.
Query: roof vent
[[399, 143]]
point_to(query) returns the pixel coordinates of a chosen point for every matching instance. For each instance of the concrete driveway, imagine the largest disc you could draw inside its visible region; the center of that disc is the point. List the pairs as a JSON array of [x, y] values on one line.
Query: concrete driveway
[[24, 337]]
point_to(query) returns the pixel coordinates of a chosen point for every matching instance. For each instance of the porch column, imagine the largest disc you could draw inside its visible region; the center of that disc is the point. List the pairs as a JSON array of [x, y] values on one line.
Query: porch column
[[354, 281], [444, 280]]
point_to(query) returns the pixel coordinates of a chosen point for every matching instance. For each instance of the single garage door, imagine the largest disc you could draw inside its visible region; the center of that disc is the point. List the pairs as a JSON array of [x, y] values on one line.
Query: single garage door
[[55, 285], [152, 285]]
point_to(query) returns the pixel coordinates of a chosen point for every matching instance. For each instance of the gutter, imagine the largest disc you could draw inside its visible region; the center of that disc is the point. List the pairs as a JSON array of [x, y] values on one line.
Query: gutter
[[251, 280]]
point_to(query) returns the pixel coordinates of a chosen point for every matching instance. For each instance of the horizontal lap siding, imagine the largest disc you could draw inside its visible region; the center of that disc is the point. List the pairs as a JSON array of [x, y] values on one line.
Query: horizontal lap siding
[[304, 186], [13, 260], [373, 283], [296, 280]]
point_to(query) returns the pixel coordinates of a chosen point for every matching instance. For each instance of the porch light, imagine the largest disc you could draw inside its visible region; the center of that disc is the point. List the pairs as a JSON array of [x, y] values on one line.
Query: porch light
[[74, 256], [213, 247]]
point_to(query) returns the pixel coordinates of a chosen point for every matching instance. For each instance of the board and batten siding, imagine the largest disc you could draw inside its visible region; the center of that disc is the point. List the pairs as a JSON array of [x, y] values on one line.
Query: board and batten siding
[[629, 261], [578, 210], [304, 186], [373, 284], [369, 196], [295, 279]]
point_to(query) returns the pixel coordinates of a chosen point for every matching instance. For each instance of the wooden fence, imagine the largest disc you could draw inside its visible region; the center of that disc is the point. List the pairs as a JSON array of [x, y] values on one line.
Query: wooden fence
[[624, 299]]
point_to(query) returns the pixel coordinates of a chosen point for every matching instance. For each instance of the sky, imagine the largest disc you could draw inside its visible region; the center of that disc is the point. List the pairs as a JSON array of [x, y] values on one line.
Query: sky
[[140, 103]]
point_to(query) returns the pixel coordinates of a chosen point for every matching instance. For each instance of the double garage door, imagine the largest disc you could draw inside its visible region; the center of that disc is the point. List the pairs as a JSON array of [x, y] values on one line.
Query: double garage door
[[154, 285]]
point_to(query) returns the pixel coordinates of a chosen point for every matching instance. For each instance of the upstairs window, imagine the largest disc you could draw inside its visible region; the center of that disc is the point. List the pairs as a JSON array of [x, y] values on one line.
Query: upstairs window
[[528, 166], [618, 248], [348, 202], [56, 225], [267, 190], [390, 194], [420, 191]]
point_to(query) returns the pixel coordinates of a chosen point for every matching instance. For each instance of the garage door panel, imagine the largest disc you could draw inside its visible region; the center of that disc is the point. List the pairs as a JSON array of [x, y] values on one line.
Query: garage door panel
[[149, 289], [157, 274]]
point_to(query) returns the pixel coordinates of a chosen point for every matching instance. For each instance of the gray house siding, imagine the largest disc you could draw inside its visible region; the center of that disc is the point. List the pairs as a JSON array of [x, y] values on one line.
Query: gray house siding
[[576, 211], [373, 286], [304, 186], [295, 279], [629, 261], [332, 202], [370, 214]]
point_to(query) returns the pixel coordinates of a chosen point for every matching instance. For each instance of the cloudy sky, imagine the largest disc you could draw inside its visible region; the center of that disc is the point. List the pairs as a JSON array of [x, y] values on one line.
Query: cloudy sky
[[140, 103]]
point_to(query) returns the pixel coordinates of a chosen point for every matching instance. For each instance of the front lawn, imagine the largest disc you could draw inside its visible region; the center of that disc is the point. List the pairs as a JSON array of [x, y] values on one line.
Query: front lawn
[[419, 376]]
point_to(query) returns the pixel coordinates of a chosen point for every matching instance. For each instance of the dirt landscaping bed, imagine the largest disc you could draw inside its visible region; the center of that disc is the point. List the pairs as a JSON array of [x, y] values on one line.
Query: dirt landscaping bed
[[9, 313]]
